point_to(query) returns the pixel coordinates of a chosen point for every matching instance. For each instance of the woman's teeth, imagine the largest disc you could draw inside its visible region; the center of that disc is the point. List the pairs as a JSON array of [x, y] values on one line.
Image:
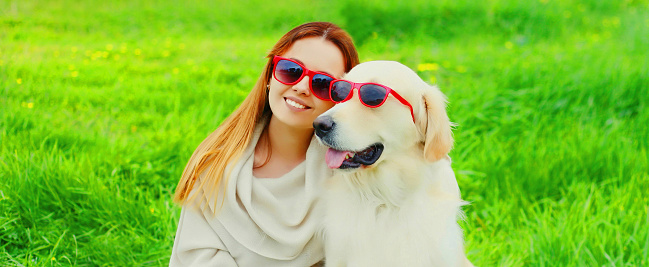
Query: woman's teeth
[[295, 104]]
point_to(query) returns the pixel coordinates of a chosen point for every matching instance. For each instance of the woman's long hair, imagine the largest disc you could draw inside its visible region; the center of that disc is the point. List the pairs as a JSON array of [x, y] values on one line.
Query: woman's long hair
[[227, 143]]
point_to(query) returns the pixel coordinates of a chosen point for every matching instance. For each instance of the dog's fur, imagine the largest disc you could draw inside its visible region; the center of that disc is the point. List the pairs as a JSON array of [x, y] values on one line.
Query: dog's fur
[[403, 209]]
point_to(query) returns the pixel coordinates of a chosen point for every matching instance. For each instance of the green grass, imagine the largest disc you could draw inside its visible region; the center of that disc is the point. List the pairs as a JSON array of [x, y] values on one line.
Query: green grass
[[103, 102]]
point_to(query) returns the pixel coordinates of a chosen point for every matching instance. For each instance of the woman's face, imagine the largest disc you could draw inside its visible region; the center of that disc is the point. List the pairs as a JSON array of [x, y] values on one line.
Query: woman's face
[[295, 105]]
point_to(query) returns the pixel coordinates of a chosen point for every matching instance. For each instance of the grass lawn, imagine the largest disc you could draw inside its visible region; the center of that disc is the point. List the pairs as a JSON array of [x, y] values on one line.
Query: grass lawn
[[103, 102]]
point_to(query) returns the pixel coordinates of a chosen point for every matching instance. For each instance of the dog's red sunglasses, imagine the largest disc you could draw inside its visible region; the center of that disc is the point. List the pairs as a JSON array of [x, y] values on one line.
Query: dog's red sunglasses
[[290, 72], [372, 95]]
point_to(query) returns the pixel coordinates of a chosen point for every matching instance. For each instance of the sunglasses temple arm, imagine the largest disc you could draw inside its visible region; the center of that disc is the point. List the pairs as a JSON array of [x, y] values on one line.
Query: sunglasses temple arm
[[405, 102]]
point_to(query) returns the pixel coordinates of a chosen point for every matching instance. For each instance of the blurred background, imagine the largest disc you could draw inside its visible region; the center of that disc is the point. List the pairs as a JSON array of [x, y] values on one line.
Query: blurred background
[[103, 102]]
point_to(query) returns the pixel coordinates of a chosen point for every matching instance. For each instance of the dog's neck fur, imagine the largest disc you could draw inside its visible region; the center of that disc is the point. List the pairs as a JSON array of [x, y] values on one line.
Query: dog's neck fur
[[387, 189]]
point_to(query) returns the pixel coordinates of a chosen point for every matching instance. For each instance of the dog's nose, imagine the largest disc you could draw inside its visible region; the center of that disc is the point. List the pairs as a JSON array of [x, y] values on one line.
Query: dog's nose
[[323, 125]]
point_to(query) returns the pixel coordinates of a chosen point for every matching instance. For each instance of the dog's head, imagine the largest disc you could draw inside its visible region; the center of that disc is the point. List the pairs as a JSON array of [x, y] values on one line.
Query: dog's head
[[359, 136]]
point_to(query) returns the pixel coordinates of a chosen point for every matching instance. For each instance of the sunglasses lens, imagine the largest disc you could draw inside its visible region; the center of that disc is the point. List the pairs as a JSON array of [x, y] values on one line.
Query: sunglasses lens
[[287, 71], [373, 95], [340, 90], [320, 85]]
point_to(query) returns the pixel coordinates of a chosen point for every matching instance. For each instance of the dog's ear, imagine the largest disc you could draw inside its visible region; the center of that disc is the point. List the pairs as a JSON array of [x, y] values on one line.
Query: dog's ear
[[435, 125]]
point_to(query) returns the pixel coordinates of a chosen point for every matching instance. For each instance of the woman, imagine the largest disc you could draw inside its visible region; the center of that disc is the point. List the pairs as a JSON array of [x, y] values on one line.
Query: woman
[[250, 190]]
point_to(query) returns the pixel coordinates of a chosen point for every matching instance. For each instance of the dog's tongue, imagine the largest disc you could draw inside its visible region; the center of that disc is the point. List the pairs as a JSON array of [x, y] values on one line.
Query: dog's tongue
[[335, 158]]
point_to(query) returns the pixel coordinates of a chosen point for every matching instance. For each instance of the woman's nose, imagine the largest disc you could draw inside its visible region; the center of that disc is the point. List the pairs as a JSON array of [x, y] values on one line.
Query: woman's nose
[[302, 87]]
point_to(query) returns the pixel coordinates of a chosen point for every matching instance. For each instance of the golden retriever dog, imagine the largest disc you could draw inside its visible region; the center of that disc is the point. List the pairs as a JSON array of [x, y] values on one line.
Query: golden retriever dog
[[393, 199]]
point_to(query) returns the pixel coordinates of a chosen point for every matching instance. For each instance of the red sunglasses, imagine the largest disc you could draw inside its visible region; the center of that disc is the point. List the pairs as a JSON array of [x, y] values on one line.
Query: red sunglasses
[[290, 72], [372, 95]]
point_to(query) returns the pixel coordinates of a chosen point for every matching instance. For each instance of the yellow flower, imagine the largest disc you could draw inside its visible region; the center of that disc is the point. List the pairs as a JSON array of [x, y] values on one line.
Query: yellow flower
[[74, 49], [133, 128], [152, 210], [116, 57], [165, 53], [137, 52], [181, 46], [433, 80], [96, 55], [109, 47], [74, 74], [71, 67], [428, 66], [509, 45], [19, 81], [175, 70], [461, 69]]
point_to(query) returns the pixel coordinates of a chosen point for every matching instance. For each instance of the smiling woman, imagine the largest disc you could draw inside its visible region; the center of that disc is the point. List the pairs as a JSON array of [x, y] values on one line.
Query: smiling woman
[[229, 203]]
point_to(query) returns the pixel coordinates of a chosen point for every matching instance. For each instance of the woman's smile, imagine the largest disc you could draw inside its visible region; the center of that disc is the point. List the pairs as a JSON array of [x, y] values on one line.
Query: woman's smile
[[296, 104]]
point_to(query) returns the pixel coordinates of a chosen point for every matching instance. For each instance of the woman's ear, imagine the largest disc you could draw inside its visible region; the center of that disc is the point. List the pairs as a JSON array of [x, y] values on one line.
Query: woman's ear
[[435, 125]]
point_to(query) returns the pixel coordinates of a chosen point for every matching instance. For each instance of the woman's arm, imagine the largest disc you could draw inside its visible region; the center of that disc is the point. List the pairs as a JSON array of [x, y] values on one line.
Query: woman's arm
[[197, 244]]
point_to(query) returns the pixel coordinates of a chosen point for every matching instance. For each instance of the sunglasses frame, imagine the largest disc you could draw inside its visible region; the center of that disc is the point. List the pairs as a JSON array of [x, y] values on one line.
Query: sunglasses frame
[[358, 86], [305, 72]]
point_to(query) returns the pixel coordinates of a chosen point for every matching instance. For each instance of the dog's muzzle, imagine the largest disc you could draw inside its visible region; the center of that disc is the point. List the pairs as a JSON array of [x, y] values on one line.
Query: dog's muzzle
[[339, 158]]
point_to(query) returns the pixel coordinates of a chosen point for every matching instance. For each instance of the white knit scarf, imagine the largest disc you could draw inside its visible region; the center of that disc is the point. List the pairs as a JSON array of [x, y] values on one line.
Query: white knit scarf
[[277, 218]]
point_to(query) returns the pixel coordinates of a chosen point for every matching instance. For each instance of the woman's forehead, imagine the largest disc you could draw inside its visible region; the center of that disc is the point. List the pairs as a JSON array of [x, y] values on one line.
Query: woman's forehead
[[318, 54]]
